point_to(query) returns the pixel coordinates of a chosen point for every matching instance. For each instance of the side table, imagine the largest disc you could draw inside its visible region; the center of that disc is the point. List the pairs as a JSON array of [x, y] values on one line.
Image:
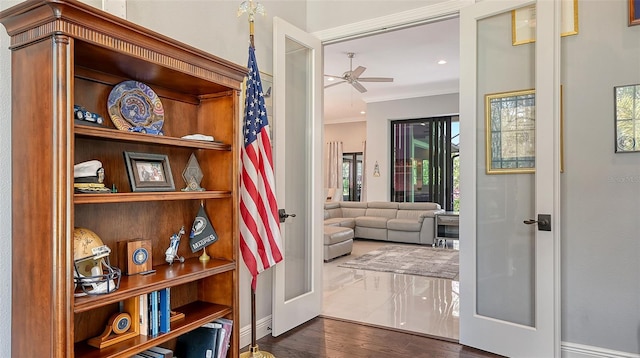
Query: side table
[[447, 227]]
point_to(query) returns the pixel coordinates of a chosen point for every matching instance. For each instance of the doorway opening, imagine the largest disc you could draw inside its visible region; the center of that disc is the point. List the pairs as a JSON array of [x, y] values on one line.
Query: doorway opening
[[406, 299]]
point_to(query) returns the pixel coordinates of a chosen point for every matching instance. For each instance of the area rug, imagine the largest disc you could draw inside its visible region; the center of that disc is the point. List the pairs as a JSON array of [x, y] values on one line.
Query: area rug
[[409, 260]]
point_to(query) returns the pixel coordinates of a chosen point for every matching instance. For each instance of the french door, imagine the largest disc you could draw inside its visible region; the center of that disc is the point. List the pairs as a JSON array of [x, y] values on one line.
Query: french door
[[510, 173], [297, 283]]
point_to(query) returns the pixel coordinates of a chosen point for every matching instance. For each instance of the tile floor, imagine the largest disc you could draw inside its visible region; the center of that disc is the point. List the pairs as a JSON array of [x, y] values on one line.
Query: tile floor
[[419, 304]]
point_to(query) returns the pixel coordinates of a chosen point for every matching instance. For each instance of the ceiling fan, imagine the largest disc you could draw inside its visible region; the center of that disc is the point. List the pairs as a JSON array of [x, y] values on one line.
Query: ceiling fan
[[353, 76]]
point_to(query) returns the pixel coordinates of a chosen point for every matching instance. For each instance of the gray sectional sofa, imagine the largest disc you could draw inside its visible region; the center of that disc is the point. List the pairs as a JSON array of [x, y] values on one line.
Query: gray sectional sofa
[[397, 222]]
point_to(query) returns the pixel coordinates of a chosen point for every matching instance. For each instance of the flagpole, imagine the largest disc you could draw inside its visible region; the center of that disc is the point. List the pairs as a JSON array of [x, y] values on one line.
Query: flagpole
[[251, 9]]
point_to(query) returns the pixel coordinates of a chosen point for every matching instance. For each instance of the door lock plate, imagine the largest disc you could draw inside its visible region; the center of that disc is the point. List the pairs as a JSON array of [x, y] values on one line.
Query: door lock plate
[[544, 222]]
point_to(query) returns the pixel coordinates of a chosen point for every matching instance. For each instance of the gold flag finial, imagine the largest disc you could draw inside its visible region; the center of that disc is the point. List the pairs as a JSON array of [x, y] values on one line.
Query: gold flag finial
[[251, 8]]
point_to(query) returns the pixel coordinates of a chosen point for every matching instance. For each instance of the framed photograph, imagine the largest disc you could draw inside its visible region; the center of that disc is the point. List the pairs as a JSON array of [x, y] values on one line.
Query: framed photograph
[[510, 132], [523, 22], [634, 12], [627, 119], [149, 172]]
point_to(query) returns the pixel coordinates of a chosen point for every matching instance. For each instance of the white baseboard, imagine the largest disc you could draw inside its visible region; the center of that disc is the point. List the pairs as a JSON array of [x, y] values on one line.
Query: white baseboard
[[263, 328], [574, 350]]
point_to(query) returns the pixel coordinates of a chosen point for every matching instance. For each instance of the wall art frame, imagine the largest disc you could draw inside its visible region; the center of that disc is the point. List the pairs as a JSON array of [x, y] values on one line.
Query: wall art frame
[[627, 122], [522, 32], [510, 132], [634, 13], [149, 172], [519, 155]]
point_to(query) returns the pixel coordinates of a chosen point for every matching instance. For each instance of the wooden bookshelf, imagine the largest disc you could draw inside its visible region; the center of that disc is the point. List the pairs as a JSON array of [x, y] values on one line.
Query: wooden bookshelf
[[65, 52]]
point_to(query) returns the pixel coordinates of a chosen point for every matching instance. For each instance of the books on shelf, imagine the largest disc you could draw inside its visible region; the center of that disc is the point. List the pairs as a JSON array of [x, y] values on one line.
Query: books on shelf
[[210, 340], [155, 312], [224, 337]]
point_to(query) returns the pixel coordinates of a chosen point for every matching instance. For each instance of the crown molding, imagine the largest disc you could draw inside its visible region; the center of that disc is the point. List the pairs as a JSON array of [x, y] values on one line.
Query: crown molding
[[439, 11]]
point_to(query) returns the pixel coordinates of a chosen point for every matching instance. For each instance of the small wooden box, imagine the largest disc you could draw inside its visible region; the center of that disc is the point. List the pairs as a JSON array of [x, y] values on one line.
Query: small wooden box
[[134, 256]]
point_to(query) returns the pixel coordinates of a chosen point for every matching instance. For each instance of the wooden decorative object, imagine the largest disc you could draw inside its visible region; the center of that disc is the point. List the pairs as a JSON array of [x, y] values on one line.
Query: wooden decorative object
[[120, 327], [134, 256]]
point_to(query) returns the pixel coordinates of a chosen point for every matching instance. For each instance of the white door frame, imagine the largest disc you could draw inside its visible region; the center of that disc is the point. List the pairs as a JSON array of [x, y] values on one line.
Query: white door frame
[[486, 333]]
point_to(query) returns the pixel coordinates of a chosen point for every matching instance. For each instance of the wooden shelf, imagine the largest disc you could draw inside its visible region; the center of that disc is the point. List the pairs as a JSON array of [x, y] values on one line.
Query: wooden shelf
[[122, 136], [165, 276], [196, 314], [148, 196]]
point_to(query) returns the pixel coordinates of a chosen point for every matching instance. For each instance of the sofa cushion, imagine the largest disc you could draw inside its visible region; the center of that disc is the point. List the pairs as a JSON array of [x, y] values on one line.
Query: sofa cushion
[[414, 215], [344, 222], [335, 234], [382, 205], [372, 221], [353, 212], [419, 206], [384, 213], [404, 224]]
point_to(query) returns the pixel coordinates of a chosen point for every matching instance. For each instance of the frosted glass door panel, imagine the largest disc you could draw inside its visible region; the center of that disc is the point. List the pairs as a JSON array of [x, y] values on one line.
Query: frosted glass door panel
[[506, 196]]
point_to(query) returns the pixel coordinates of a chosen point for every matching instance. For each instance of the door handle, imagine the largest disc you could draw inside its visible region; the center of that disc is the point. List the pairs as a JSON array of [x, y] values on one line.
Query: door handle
[[283, 215], [544, 222]]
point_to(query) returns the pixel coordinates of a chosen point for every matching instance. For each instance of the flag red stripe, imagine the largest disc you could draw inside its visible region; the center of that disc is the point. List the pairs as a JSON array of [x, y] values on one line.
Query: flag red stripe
[[257, 201]]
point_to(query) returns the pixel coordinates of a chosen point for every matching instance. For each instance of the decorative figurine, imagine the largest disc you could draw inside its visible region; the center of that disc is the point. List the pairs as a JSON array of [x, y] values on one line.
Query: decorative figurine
[[192, 175], [172, 252]]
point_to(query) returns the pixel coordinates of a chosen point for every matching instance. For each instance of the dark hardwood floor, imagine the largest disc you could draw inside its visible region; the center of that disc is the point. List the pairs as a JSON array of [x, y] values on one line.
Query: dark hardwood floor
[[325, 337]]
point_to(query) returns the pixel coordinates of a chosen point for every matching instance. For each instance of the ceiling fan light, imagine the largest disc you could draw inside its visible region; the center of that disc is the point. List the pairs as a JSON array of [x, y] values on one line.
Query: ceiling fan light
[[330, 79]]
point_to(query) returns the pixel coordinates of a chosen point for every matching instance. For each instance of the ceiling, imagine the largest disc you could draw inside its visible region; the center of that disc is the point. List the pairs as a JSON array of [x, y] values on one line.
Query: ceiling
[[408, 55]]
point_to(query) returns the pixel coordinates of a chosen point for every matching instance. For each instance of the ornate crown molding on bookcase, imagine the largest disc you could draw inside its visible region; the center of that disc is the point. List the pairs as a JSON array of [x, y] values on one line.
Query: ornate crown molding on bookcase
[[53, 20]]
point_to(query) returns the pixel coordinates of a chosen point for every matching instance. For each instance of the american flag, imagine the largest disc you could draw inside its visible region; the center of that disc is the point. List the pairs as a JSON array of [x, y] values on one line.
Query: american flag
[[260, 239]]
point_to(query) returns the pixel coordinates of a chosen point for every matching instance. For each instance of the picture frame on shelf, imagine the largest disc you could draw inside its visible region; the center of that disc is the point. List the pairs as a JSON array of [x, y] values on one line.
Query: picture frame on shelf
[[510, 132], [149, 172], [523, 29], [634, 12]]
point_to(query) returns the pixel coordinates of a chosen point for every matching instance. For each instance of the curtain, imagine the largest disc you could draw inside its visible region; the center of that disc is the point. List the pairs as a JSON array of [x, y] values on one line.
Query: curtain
[[334, 167], [363, 188]]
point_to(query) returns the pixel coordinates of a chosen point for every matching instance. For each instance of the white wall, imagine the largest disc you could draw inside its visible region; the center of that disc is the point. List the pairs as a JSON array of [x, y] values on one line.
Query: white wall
[[600, 189], [379, 116], [350, 134]]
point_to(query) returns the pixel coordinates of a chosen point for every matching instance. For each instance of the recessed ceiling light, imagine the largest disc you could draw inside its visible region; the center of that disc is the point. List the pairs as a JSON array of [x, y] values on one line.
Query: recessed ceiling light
[[363, 112], [442, 62]]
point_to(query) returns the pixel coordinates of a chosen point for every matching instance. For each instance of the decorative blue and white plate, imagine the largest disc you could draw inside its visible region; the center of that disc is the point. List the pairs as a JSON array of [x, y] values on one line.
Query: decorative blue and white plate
[[134, 106]]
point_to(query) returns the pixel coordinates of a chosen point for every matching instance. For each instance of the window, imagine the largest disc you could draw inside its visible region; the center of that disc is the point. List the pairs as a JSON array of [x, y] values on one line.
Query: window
[[424, 159], [351, 176]]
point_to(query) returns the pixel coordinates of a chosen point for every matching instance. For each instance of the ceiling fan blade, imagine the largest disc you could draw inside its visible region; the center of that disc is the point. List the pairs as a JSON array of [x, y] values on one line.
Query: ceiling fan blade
[[375, 79], [357, 72], [358, 86], [334, 76], [333, 84]]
